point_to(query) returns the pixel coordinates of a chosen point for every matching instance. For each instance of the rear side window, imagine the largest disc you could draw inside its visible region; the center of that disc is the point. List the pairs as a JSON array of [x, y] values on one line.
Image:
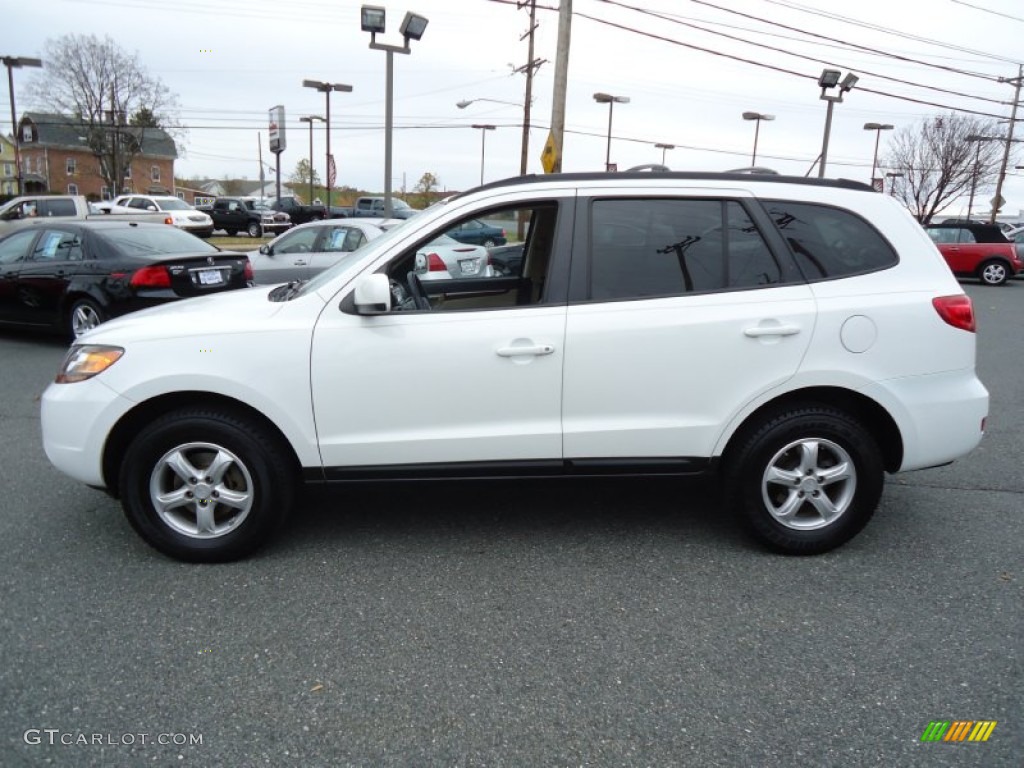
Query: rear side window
[[830, 242], [643, 248], [59, 208]]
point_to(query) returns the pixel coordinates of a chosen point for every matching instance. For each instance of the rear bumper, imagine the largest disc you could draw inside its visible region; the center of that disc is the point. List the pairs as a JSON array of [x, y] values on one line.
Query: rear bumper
[[940, 416]]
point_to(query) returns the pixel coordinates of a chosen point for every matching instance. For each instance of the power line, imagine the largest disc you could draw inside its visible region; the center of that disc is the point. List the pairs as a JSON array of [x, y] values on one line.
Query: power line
[[987, 10], [670, 17]]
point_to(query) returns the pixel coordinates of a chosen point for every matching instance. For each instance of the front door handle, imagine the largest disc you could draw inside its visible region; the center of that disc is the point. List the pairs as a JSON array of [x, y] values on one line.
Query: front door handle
[[537, 349], [771, 330]]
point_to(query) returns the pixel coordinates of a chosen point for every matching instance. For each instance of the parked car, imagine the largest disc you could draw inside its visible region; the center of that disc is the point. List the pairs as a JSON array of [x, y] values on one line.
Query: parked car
[[445, 258], [479, 233], [308, 249], [798, 338], [977, 250], [183, 215], [35, 210], [374, 207], [1016, 236], [245, 214], [506, 259], [72, 276]]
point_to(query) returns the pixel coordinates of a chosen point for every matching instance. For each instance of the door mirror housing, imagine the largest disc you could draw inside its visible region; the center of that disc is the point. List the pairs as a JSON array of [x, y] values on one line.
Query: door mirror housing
[[373, 295], [266, 250]]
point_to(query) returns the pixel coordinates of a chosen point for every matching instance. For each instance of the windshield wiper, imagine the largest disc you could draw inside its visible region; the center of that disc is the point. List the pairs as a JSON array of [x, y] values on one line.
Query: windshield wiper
[[287, 291]]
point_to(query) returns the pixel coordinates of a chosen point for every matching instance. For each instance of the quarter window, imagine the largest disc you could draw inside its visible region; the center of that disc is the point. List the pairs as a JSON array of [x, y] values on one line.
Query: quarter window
[[830, 242], [646, 248]]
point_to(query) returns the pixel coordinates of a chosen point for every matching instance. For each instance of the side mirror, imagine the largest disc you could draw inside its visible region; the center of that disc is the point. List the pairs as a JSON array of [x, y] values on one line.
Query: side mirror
[[151, 208], [266, 250], [373, 295]]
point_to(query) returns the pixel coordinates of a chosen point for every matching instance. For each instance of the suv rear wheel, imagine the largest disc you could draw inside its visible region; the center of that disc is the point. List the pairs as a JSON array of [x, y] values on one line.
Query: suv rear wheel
[[205, 485], [806, 479], [993, 272]]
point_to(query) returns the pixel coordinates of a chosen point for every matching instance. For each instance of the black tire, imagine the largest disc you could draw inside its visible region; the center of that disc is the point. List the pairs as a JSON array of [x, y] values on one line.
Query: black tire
[[994, 272], [255, 470], [784, 512], [82, 315], [255, 229]]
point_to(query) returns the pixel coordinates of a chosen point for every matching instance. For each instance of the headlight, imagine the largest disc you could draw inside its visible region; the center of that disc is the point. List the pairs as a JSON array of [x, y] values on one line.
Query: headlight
[[84, 362]]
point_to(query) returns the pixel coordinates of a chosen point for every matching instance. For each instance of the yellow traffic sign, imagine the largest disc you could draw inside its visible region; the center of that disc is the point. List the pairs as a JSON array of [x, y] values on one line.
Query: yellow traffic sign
[[549, 157]]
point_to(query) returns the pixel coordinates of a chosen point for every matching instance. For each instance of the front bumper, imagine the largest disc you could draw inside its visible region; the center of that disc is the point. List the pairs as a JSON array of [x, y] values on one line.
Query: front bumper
[[76, 420]]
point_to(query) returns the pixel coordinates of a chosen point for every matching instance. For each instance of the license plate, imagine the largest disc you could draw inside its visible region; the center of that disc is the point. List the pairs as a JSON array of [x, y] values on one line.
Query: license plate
[[469, 266], [210, 277]]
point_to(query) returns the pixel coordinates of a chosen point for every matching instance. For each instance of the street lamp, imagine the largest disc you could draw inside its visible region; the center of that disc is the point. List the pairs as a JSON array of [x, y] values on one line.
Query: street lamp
[[611, 101], [483, 145], [326, 88], [664, 148], [757, 117], [312, 119], [877, 128], [373, 20], [830, 79], [893, 175], [12, 63], [466, 102]]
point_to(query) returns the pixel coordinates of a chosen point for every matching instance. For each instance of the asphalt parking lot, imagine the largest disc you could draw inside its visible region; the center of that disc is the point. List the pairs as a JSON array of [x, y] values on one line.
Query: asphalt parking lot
[[548, 623]]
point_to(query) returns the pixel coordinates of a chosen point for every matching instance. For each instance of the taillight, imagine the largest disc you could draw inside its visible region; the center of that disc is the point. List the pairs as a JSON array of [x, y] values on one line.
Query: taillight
[[151, 277], [248, 270], [435, 263], [958, 311]]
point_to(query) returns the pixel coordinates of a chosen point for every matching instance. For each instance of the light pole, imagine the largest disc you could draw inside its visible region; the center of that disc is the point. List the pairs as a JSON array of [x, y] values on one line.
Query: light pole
[[326, 88], [611, 101], [877, 128], [483, 145], [664, 148], [372, 20], [757, 117], [893, 175], [12, 63], [312, 119], [830, 79]]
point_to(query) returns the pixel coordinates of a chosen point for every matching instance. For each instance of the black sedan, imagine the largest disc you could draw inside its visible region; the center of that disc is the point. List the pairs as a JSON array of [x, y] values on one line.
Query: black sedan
[[478, 233], [70, 277]]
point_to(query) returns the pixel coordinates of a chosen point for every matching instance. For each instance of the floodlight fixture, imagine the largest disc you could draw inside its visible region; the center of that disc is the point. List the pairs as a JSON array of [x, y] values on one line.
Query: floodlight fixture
[[372, 18], [413, 26], [829, 78]]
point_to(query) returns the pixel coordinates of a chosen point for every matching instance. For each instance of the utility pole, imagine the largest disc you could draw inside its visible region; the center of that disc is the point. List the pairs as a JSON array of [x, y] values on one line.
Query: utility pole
[[997, 199], [529, 69], [561, 80]]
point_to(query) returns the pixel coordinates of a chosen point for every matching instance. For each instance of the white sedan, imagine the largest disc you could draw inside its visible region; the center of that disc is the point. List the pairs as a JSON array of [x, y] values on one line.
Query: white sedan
[[309, 248]]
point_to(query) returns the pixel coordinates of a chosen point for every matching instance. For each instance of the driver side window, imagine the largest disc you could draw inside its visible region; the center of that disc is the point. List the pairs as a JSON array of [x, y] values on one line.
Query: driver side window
[[444, 274], [297, 241]]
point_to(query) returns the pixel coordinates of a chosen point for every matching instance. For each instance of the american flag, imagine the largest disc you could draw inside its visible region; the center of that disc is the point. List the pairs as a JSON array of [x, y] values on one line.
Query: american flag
[[331, 171]]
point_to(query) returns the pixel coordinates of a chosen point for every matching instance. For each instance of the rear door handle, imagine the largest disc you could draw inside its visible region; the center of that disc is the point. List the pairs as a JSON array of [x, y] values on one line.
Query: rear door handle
[[538, 349], [771, 330]]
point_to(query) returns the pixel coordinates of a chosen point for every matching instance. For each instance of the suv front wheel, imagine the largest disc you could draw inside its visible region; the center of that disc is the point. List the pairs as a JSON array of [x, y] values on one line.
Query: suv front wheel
[[806, 479], [205, 484]]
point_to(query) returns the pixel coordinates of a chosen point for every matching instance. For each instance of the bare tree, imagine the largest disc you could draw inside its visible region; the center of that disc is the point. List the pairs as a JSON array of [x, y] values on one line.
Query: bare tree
[[426, 189], [940, 160], [117, 101]]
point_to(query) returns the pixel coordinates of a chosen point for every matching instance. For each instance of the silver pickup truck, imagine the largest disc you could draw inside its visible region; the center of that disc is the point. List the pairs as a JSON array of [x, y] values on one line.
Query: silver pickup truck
[[48, 209]]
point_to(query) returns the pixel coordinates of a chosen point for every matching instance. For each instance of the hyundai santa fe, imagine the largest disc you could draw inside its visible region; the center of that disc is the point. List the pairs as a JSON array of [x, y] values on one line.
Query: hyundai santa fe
[[800, 338]]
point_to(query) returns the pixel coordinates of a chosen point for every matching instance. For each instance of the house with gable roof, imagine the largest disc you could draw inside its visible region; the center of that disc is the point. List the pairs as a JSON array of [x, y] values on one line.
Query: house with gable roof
[[56, 159]]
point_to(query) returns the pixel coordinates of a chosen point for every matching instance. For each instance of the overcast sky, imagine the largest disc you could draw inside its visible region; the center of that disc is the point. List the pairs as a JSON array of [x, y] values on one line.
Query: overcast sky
[[229, 61]]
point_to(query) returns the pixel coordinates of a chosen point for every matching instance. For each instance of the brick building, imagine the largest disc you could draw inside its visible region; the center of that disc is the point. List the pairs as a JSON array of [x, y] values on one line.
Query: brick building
[[56, 159]]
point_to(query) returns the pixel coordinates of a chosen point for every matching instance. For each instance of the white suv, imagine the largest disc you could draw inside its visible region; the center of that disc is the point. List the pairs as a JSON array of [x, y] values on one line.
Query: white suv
[[799, 337]]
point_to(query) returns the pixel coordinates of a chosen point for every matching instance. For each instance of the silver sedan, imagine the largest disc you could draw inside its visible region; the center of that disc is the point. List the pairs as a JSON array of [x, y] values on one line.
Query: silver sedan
[[308, 249]]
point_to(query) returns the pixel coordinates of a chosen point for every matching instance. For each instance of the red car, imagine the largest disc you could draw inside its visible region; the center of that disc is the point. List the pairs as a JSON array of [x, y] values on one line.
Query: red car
[[977, 250]]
